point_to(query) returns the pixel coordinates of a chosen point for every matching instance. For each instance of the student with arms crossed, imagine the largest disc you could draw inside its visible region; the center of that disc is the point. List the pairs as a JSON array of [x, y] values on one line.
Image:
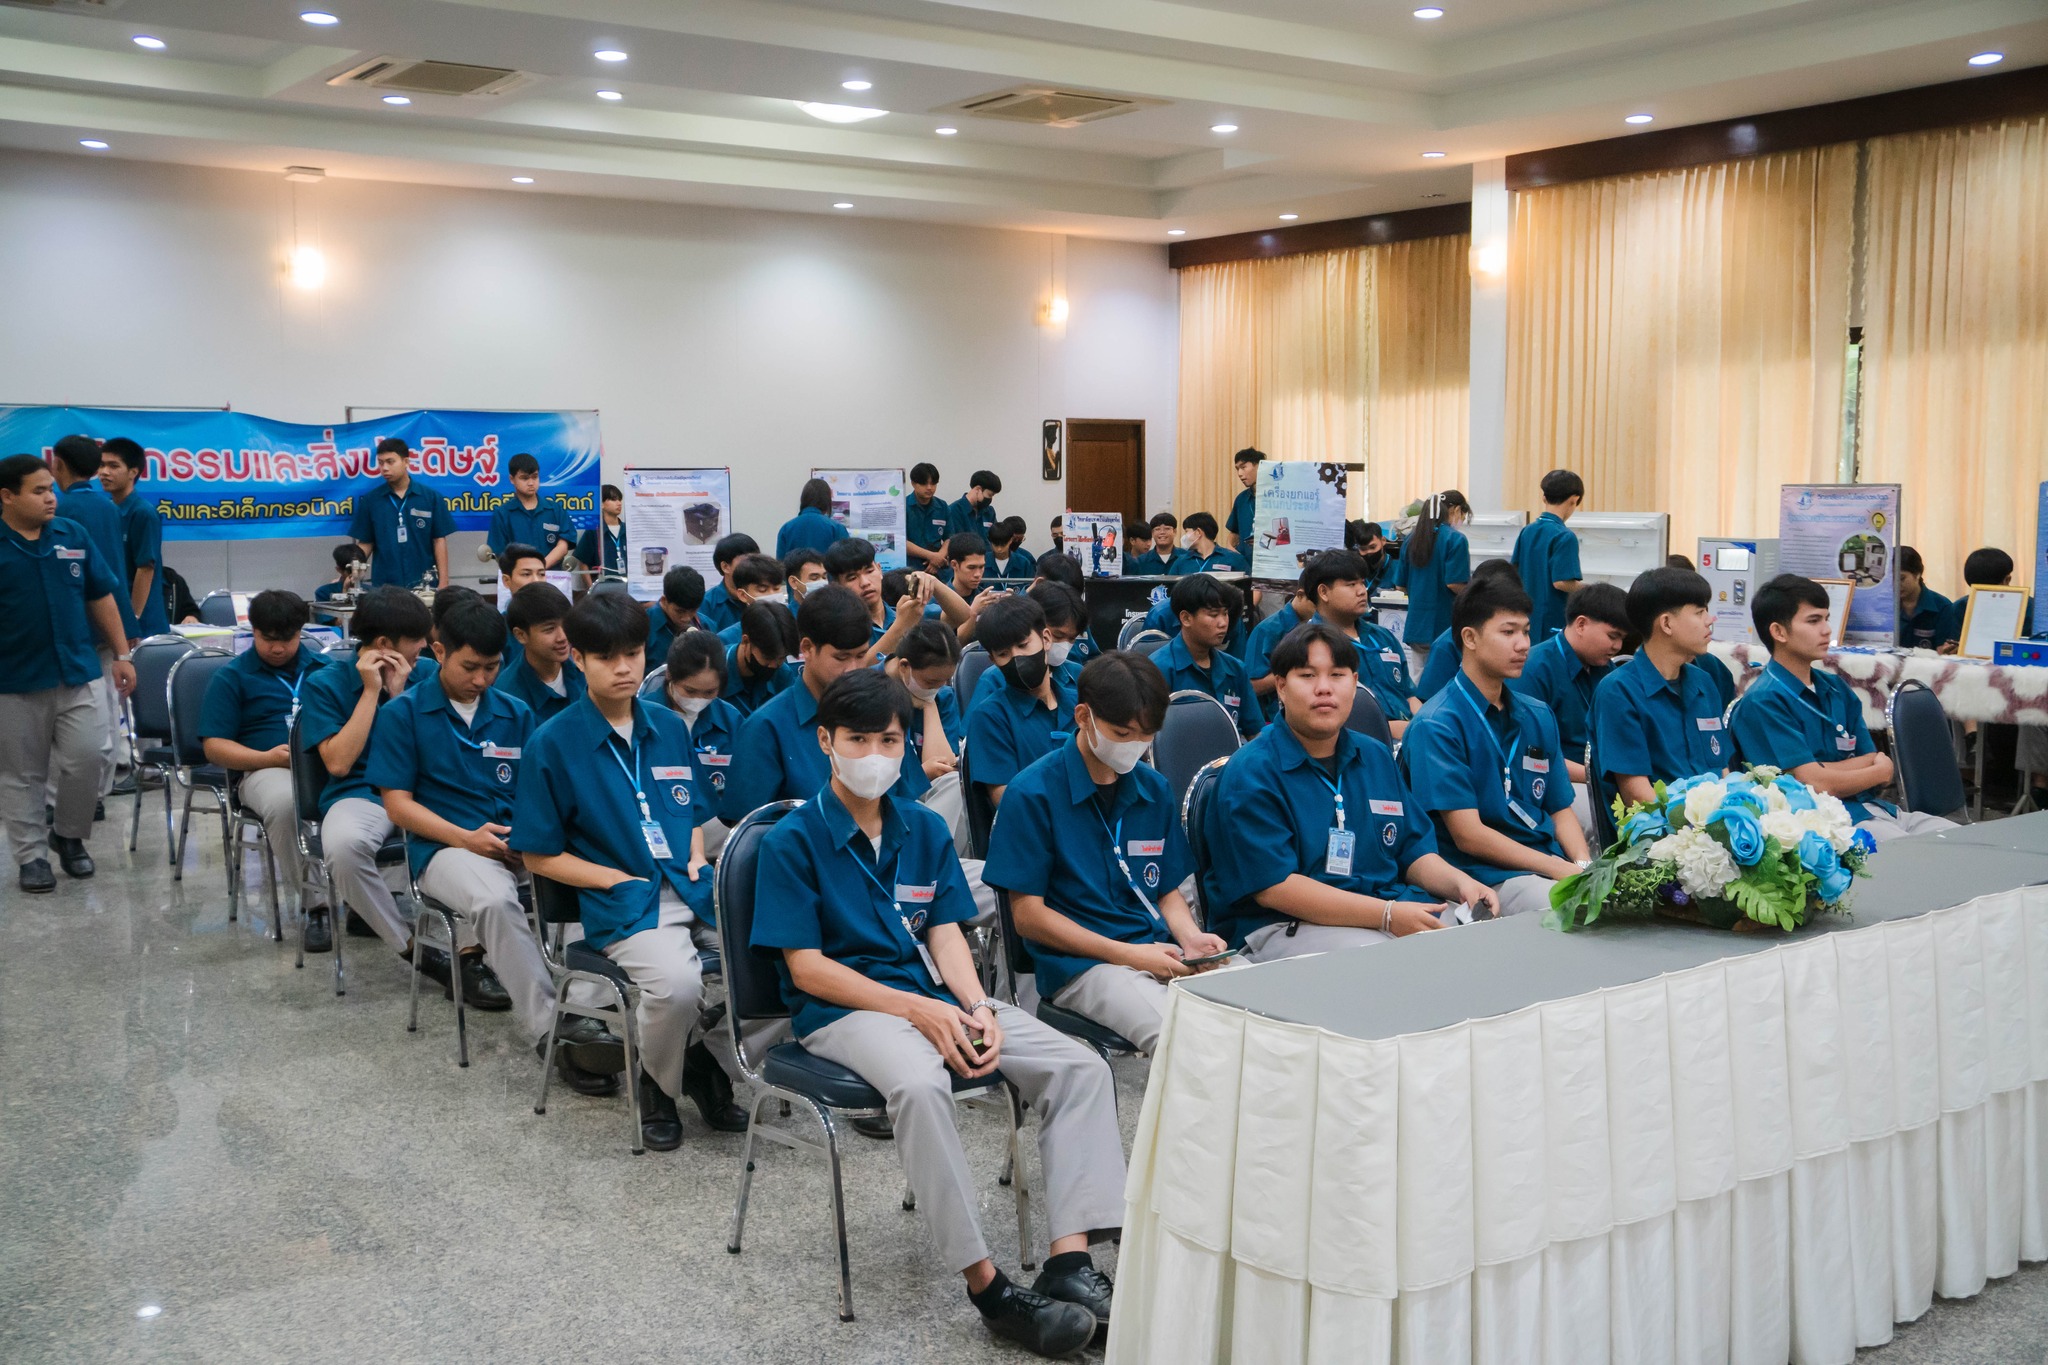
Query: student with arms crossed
[[1547, 554], [1657, 718], [1564, 671], [527, 518], [1196, 660], [1239, 523], [862, 896], [927, 519], [1807, 722], [680, 609], [1314, 840], [1487, 764], [542, 674], [1031, 712], [1089, 846]]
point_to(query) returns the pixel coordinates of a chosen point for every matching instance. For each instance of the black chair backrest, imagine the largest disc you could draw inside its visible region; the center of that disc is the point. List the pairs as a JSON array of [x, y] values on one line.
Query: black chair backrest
[[1924, 749], [309, 776], [753, 988], [1368, 719], [217, 608], [1150, 642], [655, 683], [1198, 731], [150, 703], [187, 688], [1601, 797], [1127, 630], [966, 678], [1194, 822], [341, 652], [1016, 952], [617, 585], [556, 902], [981, 811]]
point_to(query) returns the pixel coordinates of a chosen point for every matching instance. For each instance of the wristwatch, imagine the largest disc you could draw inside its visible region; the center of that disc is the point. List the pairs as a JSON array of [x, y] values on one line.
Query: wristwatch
[[124, 658], [979, 1003]]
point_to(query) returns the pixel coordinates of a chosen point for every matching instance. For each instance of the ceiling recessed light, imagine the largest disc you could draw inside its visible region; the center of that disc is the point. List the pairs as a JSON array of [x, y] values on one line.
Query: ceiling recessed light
[[144, 40], [1289, 217], [1429, 12], [522, 180], [856, 85], [947, 132], [149, 1310], [92, 144], [1637, 118], [320, 17], [609, 54], [839, 113], [610, 95], [842, 204], [1432, 156], [396, 99], [1223, 128], [1176, 232], [1983, 59]]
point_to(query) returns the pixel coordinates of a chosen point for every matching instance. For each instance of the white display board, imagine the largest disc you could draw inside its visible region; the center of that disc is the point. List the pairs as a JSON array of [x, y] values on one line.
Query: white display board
[[1298, 509], [869, 503], [1095, 541], [1616, 546], [1492, 535], [673, 516], [1993, 614]]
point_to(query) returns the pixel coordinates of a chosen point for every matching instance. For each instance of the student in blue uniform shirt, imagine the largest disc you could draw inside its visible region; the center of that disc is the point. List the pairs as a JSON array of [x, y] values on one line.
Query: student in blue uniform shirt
[[1564, 670], [519, 566], [602, 548], [403, 525], [1547, 553], [862, 896], [681, 608], [1989, 567], [1807, 722], [1446, 652], [608, 804], [1369, 540], [757, 664], [540, 672], [57, 592], [812, 528], [1066, 628], [80, 500], [246, 717], [122, 463], [1031, 714], [1487, 764], [721, 605], [349, 560], [696, 679], [802, 570], [1720, 675], [927, 518], [925, 665], [1264, 637], [1090, 848], [1196, 660], [851, 564], [1245, 464], [1199, 550], [1159, 551], [1657, 718], [1335, 579], [1920, 607], [1006, 558], [976, 509], [446, 757], [1436, 563], [527, 518], [1314, 841]]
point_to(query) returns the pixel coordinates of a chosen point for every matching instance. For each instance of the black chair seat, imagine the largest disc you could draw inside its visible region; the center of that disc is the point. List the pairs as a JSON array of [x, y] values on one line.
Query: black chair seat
[[790, 1067], [393, 851], [158, 756], [210, 775], [1082, 1027], [581, 957]]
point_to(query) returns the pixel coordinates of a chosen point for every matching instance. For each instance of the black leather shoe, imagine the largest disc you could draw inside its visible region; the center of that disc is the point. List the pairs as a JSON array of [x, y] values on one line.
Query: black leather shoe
[[36, 877], [661, 1130], [592, 1047], [481, 989], [433, 966], [71, 853], [319, 930], [99, 812], [1046, 1326], [706, 1085], [125, 785], [358, 927], [877, 1127], [1084, 1285], [575, 1077]]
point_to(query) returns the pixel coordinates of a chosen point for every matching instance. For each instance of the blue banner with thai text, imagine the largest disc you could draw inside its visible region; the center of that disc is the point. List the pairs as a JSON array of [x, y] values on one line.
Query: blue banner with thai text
[[228, 475]]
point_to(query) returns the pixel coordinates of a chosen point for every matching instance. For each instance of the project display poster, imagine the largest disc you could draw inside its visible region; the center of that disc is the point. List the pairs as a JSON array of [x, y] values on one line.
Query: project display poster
[[1297, 510], [869, 503], [1096, 541], [2040, 621], [673, 516], [1846, 530]]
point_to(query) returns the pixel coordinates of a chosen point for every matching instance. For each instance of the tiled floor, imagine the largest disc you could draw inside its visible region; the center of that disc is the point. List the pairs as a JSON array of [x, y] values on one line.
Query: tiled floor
[[189, 1125]]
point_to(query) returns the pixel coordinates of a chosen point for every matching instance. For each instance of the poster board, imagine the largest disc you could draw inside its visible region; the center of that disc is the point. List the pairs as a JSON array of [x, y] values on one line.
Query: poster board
[[1298, 509], [1993, 615], [1734, 570], [1846, 530], [672, 516], [1841, 605], [869, 503], [1095, 541]]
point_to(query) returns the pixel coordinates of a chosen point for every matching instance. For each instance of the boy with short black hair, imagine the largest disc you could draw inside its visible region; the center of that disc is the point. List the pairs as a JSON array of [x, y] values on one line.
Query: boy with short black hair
[[813, 526], [851, 564], [1446, 654], [1547, 554], [1006, 560], [1657, 718], [122, 463], [1031, 712], [1159, 551], [521, 565], [348, 556], [681, 608], [527, 518], [542, 674], [1920, 607], [403, 525], [1246, 466], [927, 519], [1335, 581], [757, 665], [1196, 659], [1200, 552], [976, 509], [602, 548], [1988, 567], [720, 606], [1564, 671], [800, 572]]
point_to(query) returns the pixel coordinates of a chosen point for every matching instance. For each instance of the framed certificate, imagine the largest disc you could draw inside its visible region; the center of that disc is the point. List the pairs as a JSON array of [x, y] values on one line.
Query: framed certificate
[[1841, 593], [1993, 615]]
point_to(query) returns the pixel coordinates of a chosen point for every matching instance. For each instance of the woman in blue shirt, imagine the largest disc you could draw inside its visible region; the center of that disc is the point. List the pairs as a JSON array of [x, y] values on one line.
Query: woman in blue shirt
[[1436, 563]]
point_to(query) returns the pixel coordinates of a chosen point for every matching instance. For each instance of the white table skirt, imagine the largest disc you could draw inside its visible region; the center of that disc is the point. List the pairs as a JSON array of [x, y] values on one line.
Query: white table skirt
[[1772, 1157]]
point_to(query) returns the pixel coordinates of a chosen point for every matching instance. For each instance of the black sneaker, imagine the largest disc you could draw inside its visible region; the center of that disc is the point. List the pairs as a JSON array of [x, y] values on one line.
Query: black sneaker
[[1046, 1326], [36, 877], [125, 785], [99, 812], [319, 934], [709, 1089], [72, 855], [1083, 1284], [358, 927], [481, 989], [433, 966], [661, 1130]]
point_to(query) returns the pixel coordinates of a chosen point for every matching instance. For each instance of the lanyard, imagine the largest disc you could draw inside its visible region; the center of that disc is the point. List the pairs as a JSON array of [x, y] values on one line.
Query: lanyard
[[293, 687], [894, 904], [1507, 758], [398, 501], [1116, 851], [1799, 695], [1315, 767], [632, 773], [616, 540]]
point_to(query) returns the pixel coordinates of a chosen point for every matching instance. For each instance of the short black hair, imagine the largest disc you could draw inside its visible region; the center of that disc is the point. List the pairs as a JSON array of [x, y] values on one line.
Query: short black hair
[[1292, 651], [851, 555], [1125, 687], [1602, 602], [1781, 599], [1908, 561], [683, 588], [770, 627], [393, 443], [509, 557], [347, 553], [126, 451], [864, 701], [1004, 532], [1203, 592], [1061, 604], [929, 644], [1063, 569], [1560, 485], [816, 496], [895, 585], [80, 455], [732, 547], [15, 468], [603, 624], [523, 463], [924, 471], [277, 614], [964, 545], [1678, 561], [1160, 519], [449, 598], [536, 604], [1496, 568], [757, 571], [1200, 521], [1008, 621], [390, 613], [834, 617], [793, 562], [610, 493], [1332, 566], [1488, 597], [983, 478], [1249, 455], [1987, 567], [693, 652], [1657, 591]]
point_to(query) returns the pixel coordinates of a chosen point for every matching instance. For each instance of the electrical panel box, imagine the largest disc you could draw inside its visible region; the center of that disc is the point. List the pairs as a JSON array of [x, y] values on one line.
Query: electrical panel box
[[1616, 546], [1493, 534], [1735, 568]]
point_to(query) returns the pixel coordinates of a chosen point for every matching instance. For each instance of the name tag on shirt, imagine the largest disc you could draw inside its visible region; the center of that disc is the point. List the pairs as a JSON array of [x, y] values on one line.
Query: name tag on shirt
[[670, 774], [549, 526], [1390, 656], [1536, 765], [500, 751], [1385, 807], [1146, 848], [714, 760], [422, 513], [917, 895], [63, 553], [1707, 722], [1846, 743], [1516, 809]]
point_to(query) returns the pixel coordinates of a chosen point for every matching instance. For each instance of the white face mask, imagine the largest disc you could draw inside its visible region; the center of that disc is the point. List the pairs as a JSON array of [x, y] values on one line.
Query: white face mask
[[814, 584], [868, 776], [918, 689], [1057, 652], [692, 707], [1187, 540], [1118, 755]]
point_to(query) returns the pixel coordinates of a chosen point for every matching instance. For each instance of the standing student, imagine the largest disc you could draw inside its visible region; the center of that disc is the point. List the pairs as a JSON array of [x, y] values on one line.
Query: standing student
[[1239, 523], [976, 509], [521, 565], [1921, 608], [1564, 671], [862, 895], [812, 528], [680, 609], [402, 526], [245, 722], [1089, 846], [1059, 535], [720, 606], [1547, 553], [696, 678], [1032, 713], [80, 500], [1487, 764], [757, 665], [1315, 841], [1195, 660], [1199, 551], [1807, 722], [57, 592], [1152, 562], [348, 556], [927, 518], [527, 518], [1369, 539], [1436, 563], [122, 463], [608, 804], [1657, 718], [602, 548], [1005, 558], [541, 673]]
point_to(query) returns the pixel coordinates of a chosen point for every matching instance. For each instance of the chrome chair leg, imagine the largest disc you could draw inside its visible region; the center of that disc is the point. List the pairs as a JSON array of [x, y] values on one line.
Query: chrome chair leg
[[547, 1061], [627, 1028], [838, 1213], [135, 817], [461, 1016], [739, 1207], [170, 843], [237, 861], [419, 950], [270, 874], [184, 831]]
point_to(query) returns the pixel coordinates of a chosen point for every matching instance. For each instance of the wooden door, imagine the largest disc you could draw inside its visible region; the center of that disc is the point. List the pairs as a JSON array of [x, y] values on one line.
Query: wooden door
[[1106, 467]]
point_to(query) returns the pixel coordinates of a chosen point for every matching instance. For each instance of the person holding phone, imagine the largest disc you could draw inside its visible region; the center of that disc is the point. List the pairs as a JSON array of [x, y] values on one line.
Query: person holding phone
[[851, 564], [1090, 849]]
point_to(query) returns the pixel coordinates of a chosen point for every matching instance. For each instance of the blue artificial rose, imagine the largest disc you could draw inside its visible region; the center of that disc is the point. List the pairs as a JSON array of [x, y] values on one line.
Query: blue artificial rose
[[1862, 841], [1745, 836], [1817, 855], [1834, 885], [1675, 791], [1644, 825], [1797, 797], [1747, 796]]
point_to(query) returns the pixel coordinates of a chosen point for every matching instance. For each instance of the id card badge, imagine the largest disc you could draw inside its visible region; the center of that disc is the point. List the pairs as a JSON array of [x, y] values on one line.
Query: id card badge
[[1337, 859], [1845, 743], [657, 839], [1516, 809], [401, 531], [931, 964]]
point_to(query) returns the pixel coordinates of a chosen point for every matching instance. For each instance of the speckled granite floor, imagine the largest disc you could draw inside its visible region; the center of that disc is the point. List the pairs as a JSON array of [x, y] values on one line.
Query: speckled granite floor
[[189, 1125]]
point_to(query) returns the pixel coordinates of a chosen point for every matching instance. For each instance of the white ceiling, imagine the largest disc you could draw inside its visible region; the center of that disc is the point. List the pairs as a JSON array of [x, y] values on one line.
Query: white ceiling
[[1335, 100]]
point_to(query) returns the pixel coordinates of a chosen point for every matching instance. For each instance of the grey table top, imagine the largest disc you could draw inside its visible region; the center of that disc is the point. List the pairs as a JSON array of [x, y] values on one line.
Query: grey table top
[[1432, 981]]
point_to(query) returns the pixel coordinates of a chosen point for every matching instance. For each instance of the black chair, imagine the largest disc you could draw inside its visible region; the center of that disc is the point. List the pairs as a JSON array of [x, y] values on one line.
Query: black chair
[[1923, 749], [655, 684], [1368, 719], [1194, 823], [1145, 640], [186, 696], [788, 1074], [1197, 732], [555, 908], [217, 608], [1107, 1042], [612, 585], [149, 722], [309, 782], [1600, 797], [973, 663]]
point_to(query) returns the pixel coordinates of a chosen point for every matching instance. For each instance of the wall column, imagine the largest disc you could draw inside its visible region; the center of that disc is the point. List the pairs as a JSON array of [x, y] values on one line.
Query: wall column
[[1492, 218]]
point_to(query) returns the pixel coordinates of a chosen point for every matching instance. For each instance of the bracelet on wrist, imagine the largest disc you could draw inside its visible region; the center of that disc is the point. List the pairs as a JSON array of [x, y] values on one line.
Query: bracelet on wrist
[[1387, 918]]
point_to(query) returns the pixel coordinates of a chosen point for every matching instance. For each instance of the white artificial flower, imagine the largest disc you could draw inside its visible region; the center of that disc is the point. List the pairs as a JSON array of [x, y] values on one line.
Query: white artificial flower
[[1704, 865], [1831, 821], [1786, 826], [1775, 800], [1665, 850], [1702, 801]]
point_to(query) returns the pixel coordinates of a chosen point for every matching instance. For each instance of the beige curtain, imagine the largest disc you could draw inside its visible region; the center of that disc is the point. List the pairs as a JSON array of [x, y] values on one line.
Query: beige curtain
[[1955, 394], [1417, 432], [1678, 338]]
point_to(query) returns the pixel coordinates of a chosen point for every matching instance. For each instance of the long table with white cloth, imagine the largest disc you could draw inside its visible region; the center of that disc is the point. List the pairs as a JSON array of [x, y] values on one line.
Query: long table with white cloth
[[1640, 1143]]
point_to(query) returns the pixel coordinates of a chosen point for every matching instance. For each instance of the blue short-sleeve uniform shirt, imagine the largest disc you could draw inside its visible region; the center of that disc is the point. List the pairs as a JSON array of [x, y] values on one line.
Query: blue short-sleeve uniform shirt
[[1464, 753], [518, 678], [1922, 630], [962, 515], [1189, 561], [1645, 725], [1546, 552], [1428, 585], [950, 722], [46, 633], [809, 529], [926, 523], [750, 694], [719, 608], [603, 547], [1014, 729], [545, 525], [1239, 522], [1383, 669], [1149, 564], [85, 504], [467, 774], [142, 540], [329, 699], [252, 703], [382, 517], [1224, 679], [714, 735], [1555, 675], [1446, 657], [1783, 724], [1021, 564], [777, 758]]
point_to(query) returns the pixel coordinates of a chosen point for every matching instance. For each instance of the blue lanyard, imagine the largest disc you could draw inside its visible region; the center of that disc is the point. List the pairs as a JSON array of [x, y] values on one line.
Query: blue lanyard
[[1799, 695], [1116, 851], [1337, 791], [894, 904], [1575, 668], [632, 773], [292, 687], [1464, 689], [398, 501]]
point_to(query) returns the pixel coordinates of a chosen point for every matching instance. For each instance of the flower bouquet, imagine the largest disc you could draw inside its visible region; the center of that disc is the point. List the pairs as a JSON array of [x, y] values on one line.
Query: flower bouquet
[[1750, 851]]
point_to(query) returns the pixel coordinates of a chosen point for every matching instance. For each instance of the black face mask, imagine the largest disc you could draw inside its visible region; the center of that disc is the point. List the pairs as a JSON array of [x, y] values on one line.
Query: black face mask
[[1025, 671]]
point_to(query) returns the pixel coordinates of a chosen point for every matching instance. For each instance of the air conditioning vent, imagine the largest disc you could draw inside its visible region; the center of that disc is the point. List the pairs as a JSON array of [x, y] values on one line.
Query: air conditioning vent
[[433, 78], [1048, 107]]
